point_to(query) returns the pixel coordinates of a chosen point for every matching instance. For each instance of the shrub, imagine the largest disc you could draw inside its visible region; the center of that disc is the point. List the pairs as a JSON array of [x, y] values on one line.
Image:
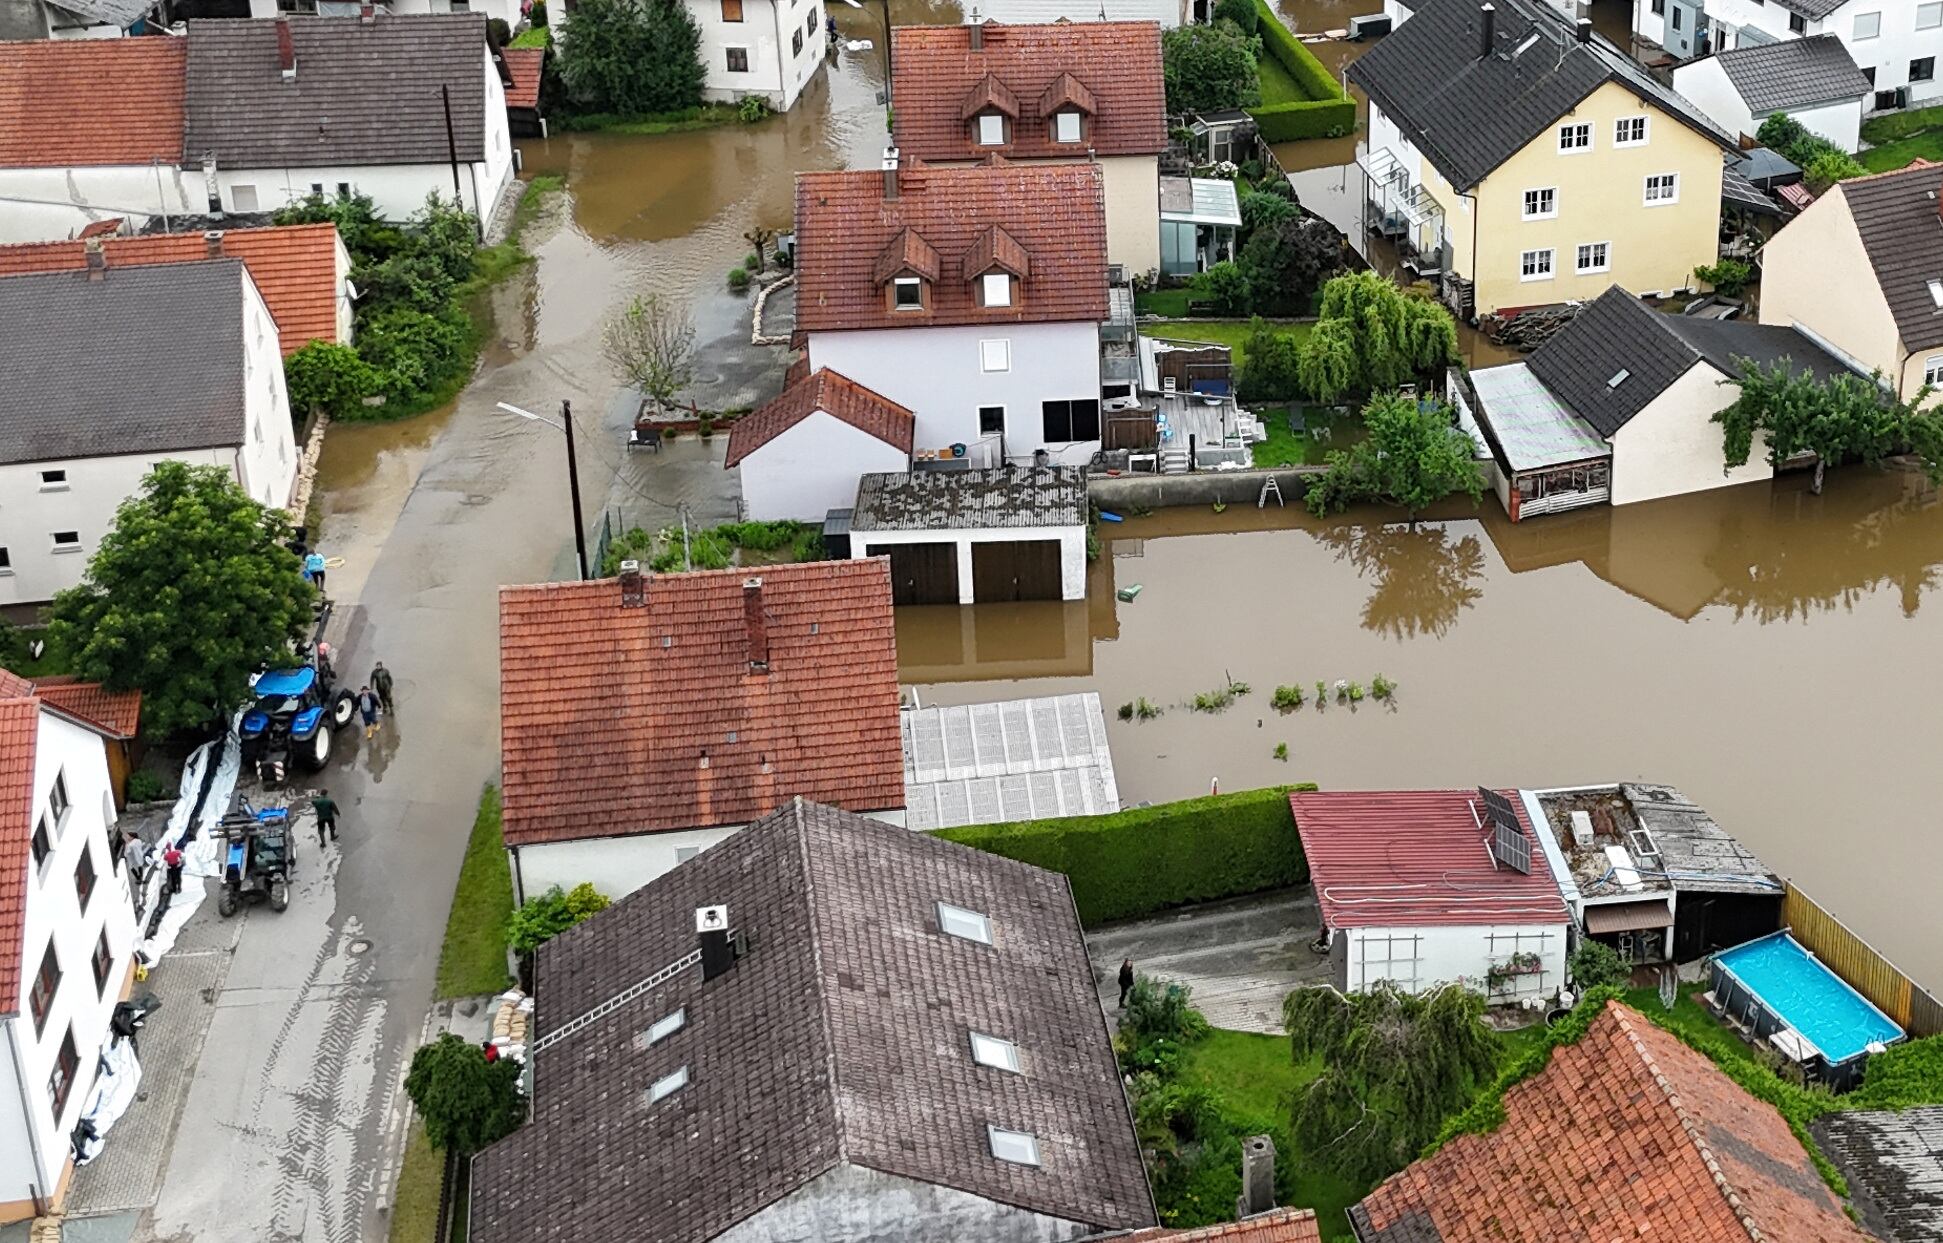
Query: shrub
[[633, 59], [413, 353], [326, 376], [753, 108], [1729, 277], [1146, 859], [1145, 709], [1224, 286], [1596, 965], [1381, 687], [538, 15], [1242, 13], [1286, 698], [552, 913], [1126, 711], [738, 279], [147, 786], [1271, 364], [1208, 67], [1327, 113], [1282, 751], [498, 33]]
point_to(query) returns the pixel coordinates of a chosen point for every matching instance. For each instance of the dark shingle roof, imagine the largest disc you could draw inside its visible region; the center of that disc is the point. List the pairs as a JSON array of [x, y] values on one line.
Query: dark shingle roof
[[1896, 216], [1794, 73], [1468, 113], [146, 360], [961, 500], [365, 92], [1813, 10], [1890, 1160], [1617, 332], [842, 1037]]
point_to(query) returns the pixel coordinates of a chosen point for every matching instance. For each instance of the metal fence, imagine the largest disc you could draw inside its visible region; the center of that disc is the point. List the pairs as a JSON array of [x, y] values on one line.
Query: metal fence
[[1867, 971]]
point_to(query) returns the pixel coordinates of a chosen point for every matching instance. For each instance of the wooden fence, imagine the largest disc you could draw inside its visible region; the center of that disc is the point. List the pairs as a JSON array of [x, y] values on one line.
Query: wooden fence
[[1867, 971]]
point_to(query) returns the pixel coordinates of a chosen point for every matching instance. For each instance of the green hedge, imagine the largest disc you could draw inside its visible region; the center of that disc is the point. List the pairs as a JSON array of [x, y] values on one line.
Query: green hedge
[[1147, 859], [1327, 113]]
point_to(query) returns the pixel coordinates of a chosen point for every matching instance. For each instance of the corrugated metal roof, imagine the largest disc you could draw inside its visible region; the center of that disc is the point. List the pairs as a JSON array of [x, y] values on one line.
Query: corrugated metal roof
[[1023, 759], [1533, 426], [1415, 858]]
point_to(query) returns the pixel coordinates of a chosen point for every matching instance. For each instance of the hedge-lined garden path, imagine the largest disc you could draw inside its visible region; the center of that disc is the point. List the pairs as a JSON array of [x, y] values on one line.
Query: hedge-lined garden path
[[1241, 957]]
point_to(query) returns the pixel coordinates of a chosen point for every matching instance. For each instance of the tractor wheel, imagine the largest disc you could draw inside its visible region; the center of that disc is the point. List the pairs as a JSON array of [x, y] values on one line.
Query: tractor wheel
[[226, 902], [279, 895], [343, 708], [317, 752]]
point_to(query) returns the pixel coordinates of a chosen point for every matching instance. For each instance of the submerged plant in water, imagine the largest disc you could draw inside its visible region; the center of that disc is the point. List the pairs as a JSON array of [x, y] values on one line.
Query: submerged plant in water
[[1286, 698]]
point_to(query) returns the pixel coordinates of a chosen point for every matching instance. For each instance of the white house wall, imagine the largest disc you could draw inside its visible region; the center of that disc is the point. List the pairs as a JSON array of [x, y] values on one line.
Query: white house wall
[[1044, 12], [813, 468], [766, 32], [1072, 551], [1132, 187], [1673, 447], [860, 1205], [269, 454], [937, 373], [506, 10], [1708, 87], [1889, 53], [54, 204], [1455, 954], [19, 1170], [1385, 136]]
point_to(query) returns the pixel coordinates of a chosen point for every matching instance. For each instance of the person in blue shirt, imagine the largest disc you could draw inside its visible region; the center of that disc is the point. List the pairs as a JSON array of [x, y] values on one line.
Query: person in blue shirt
[[314, 569]]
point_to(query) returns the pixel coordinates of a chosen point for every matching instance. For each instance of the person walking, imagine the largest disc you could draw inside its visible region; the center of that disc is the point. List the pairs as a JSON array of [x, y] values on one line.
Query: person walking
[[172, 859], [381, 682], [1126, 980], [314, 570], [368, 707], [326, 809]]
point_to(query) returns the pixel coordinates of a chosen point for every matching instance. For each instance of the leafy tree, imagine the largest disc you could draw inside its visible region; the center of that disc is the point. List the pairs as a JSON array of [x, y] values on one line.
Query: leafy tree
[[1205, 68], [326, 376], [1845, 417], [1224, 286], [1415, 455], [1242, 13], [466, 1101], [1822, 163], [1162, 1010], [652, 344], [1828, 167], [188, 595], [540, 919], [1394, 1066], [1270, 361], [1375, 336], [631, 57], [1285, 261], [1597, 965], [412, 352], [1780, 132]]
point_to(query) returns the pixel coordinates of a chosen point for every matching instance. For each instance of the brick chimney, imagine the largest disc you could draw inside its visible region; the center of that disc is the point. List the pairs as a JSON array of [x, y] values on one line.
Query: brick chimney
[[975, 30], [757, 624], [286, 50], [1490, 15], [890, 173], [634, 587], [97, 259], [212, 243]]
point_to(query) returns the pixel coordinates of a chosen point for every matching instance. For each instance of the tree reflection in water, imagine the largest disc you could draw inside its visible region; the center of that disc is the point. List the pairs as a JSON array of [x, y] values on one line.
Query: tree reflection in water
[[1424, 578]]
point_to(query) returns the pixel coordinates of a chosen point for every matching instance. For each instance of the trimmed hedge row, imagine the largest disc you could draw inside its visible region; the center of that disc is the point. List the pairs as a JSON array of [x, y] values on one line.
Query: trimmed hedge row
[[1147, 859], [1327, 113]]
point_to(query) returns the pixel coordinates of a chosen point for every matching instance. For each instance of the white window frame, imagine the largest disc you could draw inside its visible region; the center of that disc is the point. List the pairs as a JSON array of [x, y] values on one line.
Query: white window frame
[[1543, 263], [667, 1025], [1875, 30], [1667, 199], [59, 545], [995, 355], [1645, 124], [986, 131], [668, 1084], [237, 196], [1538, 194], [1062, 122], [1578, 256], [964, 923], [1016, 1147], [684, 853], [1933, 369], [901, 283], [1929, 16], [995, 1051], [1575, 128], [58, 481], [995, 288]]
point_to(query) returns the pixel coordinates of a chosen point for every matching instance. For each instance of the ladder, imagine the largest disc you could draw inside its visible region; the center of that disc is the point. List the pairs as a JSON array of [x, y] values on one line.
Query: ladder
[[618, 1000], [1269, 488]]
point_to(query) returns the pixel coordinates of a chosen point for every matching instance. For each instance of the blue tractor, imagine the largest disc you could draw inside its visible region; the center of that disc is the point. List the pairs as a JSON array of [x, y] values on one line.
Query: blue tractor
[[257, 853], [296, 712]]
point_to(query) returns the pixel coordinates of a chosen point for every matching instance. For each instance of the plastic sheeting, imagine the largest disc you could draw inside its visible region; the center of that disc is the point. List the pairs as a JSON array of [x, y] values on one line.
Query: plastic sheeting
[[193, 827], [114, 1091]]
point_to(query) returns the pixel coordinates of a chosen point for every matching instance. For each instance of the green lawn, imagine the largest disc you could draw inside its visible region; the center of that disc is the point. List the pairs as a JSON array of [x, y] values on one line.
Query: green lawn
[[415, 1209], [538, 36], [1285, 447], [1278, 85], [1171, 303], [1232, 333], [473, 959], [1894, 125], [1894, 155]]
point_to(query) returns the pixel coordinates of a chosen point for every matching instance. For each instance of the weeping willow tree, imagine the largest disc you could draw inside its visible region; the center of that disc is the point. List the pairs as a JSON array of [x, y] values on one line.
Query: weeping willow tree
[[1370, 335], [1394, 1067], [1843, 417]]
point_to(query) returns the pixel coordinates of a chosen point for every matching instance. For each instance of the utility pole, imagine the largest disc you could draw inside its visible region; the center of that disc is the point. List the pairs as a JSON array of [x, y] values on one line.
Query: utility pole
[[573, 485], [686, 562]]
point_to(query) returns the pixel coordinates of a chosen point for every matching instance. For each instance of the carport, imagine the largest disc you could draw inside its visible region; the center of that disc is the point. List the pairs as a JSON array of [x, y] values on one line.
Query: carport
[[1006, 534]]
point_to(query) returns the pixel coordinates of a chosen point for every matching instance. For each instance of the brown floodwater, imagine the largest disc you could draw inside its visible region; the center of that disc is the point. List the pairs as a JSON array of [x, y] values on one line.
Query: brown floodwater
[[1770, 652]]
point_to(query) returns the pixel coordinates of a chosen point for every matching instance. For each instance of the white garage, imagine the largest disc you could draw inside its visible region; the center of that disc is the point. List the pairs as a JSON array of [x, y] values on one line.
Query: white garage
[[1005, 534]]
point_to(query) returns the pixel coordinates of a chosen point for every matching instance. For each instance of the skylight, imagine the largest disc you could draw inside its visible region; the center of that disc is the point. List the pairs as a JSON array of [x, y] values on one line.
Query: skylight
[[1525, 45], [995, 1052], [668, 1085], [1936, 292], [1018, 1147], [668, 1026], [1618, 378], [959, 922]]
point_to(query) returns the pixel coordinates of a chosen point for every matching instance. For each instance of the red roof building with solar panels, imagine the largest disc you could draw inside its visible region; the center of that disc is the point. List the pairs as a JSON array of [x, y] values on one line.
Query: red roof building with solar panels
[[1426, 887]]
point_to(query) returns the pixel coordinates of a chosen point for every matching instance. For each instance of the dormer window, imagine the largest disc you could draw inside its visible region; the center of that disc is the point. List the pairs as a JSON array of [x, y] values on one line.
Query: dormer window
[[995, 289], [1065, 127], [907, 294], [991, 130]]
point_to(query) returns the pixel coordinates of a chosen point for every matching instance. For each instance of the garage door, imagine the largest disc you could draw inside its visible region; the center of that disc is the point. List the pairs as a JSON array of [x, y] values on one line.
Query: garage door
[[1015, 570], [922, 573]]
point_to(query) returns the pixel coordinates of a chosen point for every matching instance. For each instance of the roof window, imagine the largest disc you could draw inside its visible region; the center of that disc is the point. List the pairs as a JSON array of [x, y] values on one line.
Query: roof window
[[1018, 1147], [668, 1085], [995, 1051], [668, 1026], [1619, 377], [1936, 292], [969, 925]]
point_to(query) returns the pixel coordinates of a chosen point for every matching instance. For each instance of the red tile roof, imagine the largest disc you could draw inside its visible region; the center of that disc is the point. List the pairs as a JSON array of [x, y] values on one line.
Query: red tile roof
[[835, 395], [1114, 71], [1628, 1134], [115, 713], [19, 730], [1411, 858], [525, 64], [295, 268], [1281, 1225], [1055, 213], [607, 711], [91, 102], [13, 686]]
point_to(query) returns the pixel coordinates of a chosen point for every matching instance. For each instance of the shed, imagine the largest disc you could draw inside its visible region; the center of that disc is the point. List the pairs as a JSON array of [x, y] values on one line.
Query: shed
[[1224, 134], [1813, 80], [801, 454], [1023, 759], [976, 536], [1199, 219]]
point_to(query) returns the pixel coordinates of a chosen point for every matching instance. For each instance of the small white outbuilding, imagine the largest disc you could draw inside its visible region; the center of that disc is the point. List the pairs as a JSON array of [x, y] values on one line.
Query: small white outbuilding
[[976, 536]]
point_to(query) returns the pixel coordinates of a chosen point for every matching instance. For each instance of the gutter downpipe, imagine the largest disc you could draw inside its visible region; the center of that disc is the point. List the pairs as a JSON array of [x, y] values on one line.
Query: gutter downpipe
[[41, 1204]]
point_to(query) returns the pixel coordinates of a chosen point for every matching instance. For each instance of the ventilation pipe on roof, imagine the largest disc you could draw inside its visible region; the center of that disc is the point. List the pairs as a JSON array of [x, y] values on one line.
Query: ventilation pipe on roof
[[97, 259], [758, 625], [1585, 30], [890, 173], [286, 50], [634, 588], [1257, 1177], [1490, 15], [975, 30], [712, 937], [212, 243]]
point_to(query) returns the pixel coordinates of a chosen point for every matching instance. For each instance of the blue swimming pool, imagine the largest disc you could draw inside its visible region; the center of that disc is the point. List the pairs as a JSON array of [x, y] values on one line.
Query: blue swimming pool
[[1799, 990]]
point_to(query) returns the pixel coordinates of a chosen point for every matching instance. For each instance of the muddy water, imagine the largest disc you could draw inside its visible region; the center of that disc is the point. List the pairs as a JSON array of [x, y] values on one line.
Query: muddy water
[[1770, 652]]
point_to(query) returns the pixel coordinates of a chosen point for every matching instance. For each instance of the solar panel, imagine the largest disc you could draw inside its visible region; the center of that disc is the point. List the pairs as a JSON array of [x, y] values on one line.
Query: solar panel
[[1510, 848], [1499, 806]]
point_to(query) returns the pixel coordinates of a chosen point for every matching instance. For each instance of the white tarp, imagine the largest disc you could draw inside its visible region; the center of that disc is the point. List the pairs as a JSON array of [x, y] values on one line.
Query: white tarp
[[201, 857], [114, 1091]]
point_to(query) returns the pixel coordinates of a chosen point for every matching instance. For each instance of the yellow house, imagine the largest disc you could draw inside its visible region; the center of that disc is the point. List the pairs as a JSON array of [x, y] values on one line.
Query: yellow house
[[1862, 269], [1523, 161]]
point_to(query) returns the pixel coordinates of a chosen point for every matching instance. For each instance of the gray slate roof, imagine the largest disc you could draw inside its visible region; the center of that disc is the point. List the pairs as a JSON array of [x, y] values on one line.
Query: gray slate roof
[[1698, 855], [1813, 10], [118, 13], [1617, 332], [967, 500], [841, 1038], [1896, 215], [1793, 73], [1469, 113], [1890, 1161], [145, 360], [365, 93]]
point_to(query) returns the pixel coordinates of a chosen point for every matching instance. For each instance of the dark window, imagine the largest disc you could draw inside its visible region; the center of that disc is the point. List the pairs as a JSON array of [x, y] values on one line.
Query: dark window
[[43, 841], [45, 985], [731, 10], [317, 188], [344, 189], [62, 1080], [84, 878], [809, 27], [1870, 75], [6, 560], [796, 43], [57, 798], [907, 292], [1067, 421], [1659, 6], [991, 419], [66, 541], [1676, 19], [104, 963], [53, 479], [1797, 23], [738, 60], [1922, 69]]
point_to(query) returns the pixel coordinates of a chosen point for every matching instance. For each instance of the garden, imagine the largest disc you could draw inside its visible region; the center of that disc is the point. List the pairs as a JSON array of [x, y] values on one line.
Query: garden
[[1898, 138]]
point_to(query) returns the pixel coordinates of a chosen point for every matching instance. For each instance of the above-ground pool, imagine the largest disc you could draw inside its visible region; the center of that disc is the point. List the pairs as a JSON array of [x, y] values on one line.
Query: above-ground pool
[[1799, 991]]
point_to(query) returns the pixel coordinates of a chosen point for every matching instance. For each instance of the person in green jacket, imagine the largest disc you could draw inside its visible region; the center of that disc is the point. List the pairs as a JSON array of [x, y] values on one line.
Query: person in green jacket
[[381, 682], [326, 816]]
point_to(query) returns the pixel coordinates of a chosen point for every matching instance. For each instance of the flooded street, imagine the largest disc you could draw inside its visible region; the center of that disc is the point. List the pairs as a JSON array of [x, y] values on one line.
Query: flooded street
[[1770, 652]]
